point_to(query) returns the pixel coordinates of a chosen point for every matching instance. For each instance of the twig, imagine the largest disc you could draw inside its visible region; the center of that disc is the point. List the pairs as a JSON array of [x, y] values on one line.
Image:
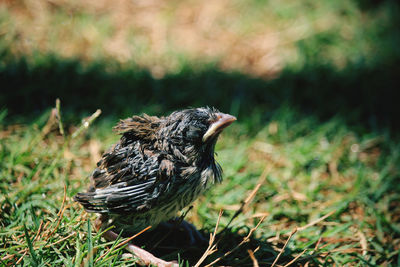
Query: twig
[[211, 247], [316, 221], [284, 246]]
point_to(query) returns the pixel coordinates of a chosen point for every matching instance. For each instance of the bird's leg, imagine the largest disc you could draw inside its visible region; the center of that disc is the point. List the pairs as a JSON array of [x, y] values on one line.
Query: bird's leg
[[146, 258]]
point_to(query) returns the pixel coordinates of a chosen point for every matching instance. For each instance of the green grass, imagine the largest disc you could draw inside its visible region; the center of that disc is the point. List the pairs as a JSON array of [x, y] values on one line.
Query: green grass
[[311, 168], [313, 84]]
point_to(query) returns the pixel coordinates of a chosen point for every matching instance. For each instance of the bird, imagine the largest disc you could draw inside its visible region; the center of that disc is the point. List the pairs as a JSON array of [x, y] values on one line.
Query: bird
[[159, 166]]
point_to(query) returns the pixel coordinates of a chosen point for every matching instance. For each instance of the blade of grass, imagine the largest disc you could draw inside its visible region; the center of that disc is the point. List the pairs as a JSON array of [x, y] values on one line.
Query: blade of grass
[[60, 123], [30, 246], [90, 244]]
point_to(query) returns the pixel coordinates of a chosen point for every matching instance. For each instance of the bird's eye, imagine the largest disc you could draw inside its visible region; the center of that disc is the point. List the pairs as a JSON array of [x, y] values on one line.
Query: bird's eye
[[194, 132]]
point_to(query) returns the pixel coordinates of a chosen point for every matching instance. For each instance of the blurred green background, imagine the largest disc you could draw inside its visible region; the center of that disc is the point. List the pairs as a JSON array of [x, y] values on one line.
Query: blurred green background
[[314, 85], [245, 57]]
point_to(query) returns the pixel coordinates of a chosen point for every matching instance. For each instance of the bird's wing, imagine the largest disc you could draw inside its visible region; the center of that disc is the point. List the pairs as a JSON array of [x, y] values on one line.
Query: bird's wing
[[128, 179]]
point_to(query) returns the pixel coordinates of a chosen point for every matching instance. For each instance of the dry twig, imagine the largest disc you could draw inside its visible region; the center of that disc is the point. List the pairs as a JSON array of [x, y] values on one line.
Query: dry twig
[[284, 246], [245, 240], [316, 221], [211, 246]]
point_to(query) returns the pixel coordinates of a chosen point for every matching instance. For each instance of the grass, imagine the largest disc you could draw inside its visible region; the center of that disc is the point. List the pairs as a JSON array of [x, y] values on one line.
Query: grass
[[314, 154], [306, 169]]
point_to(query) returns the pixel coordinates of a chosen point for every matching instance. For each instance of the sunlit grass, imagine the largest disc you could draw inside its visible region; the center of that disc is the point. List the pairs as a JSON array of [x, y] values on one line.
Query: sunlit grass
[[313, 84], [306, 169]]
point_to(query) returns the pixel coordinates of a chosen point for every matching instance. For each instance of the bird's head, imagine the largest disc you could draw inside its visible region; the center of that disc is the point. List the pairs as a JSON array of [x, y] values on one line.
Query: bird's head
[[196, 130], [192, 133]]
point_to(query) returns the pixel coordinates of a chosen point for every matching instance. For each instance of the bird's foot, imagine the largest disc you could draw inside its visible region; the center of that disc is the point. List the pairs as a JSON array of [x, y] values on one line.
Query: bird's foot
[[145, 257]]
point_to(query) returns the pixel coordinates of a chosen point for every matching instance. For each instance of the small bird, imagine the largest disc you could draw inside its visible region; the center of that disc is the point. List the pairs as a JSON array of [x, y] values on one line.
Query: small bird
[[158, 167]]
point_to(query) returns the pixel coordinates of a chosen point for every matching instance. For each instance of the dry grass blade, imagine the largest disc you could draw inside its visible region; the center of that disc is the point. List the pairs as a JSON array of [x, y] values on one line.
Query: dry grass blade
[[8, 257], [211, 247], [295, 259], [316, 221], [38, 231], [284, 246], [20, 259], [60, 213], [317, 245], [25, 251], [58, 115], [61, 240], [132, 237], [245, 240], [250, 197], [86, 123], [253, 258], [47, 128], [123, 243], [363, 242], [300, 229]]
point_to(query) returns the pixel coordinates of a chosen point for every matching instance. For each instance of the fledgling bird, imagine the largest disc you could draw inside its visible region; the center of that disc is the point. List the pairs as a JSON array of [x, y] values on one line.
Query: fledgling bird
[[158, 167]]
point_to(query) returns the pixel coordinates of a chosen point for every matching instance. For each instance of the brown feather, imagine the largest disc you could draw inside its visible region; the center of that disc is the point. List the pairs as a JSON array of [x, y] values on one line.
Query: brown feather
[[141, 127]]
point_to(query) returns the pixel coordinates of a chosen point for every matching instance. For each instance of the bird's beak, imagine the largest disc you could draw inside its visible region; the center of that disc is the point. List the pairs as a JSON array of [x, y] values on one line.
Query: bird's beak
[[223, 121]]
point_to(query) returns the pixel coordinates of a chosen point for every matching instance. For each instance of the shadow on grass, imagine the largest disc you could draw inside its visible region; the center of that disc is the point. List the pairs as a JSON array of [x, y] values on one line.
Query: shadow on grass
[[168, 243], [363, 95]]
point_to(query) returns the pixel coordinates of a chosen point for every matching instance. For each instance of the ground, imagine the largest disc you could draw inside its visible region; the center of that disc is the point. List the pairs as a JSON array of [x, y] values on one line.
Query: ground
[[311, 165]]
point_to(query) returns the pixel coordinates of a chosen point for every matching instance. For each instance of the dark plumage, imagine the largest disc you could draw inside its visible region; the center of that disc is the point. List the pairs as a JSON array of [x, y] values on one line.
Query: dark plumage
[[159, 166]]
